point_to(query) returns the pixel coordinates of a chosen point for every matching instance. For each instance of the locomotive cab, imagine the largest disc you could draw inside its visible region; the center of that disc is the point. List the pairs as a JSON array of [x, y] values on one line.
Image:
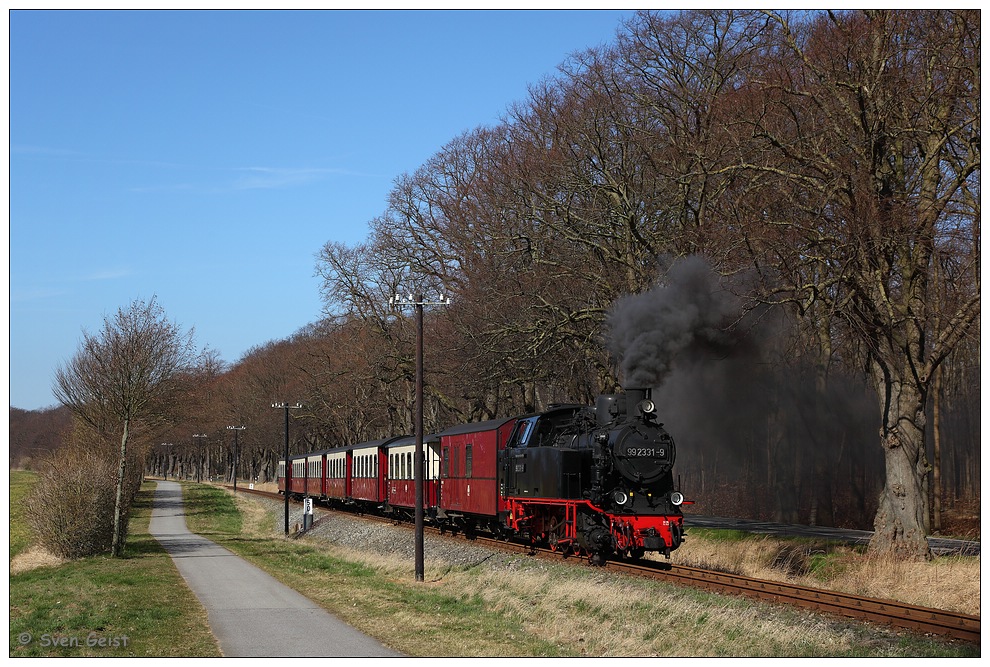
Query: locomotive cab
[[539, 460]]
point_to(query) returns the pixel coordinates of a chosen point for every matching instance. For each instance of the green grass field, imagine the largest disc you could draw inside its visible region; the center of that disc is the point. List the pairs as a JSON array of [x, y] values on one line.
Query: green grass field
[[21, 483], [137, 605]]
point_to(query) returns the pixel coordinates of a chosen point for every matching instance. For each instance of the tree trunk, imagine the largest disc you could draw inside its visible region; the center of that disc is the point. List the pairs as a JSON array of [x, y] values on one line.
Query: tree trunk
[[937, 454], [116, 545], [899, 526]]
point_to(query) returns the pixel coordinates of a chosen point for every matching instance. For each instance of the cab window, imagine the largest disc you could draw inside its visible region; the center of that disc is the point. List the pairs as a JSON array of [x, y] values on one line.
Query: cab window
[[522, 432]]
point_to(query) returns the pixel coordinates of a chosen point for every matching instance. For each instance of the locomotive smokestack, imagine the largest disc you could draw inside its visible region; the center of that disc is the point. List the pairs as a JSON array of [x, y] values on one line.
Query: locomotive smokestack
[[633, 399]]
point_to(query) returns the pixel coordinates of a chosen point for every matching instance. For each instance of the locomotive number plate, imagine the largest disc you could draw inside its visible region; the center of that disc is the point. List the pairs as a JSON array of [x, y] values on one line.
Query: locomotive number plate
[[647, 451]]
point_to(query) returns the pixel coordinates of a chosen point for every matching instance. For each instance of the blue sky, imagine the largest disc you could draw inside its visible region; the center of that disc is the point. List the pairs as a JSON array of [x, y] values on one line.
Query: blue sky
[[206, 157]]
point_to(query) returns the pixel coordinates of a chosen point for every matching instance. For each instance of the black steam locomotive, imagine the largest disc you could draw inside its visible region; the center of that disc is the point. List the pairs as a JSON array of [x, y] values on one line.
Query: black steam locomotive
[[596, 479]]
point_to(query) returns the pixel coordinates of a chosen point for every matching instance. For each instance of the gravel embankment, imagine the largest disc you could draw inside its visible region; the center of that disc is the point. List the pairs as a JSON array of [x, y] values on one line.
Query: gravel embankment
[[387, 539]]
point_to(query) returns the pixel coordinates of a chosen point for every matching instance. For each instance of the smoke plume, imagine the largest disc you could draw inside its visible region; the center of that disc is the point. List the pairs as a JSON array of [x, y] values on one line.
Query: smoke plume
[[745, 403], [687, 316]]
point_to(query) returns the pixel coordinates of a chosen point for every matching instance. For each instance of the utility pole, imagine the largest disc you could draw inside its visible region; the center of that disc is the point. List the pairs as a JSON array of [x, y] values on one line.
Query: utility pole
[[418, 471], [236, 430], [288, 473]]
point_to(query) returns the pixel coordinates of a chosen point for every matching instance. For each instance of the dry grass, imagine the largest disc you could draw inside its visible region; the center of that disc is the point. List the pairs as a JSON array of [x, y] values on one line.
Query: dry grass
[[268, 487], [580, 611], [951, 583], [34, 557], [594, 614]]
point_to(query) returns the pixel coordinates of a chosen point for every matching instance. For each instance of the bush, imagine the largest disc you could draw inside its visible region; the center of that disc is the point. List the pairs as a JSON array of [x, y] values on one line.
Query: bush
[[71, 507]]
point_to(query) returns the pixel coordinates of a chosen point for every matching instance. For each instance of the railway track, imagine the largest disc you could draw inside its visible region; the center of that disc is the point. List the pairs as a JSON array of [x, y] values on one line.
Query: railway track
[[883, 612], [891, 613]]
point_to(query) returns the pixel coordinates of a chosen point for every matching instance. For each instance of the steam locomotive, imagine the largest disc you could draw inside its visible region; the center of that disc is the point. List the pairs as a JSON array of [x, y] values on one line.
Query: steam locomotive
[[595, 481]]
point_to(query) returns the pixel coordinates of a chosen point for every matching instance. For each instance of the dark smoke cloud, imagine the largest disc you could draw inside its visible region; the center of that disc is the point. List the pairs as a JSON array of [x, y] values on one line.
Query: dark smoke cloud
[[741, 399], [688, 315]]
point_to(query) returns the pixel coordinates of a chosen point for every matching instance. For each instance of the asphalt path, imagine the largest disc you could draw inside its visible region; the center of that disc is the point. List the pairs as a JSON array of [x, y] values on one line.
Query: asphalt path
[[251, 613], [938, 545]]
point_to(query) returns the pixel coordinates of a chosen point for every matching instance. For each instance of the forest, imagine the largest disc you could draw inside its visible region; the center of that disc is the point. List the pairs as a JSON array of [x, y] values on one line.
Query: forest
[[772, 219]]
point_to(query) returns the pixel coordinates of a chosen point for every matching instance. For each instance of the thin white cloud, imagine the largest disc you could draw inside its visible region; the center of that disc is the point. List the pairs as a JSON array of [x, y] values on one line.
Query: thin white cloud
[[106, 274], [59, 287], [35, 294], [264, 178], [23, 149]]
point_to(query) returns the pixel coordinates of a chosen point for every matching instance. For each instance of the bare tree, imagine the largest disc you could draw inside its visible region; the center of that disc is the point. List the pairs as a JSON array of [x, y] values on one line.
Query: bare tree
[[868, 130], [123, 381]]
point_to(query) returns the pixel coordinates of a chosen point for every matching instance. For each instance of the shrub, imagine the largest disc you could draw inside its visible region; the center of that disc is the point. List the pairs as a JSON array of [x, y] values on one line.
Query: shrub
[[71, 507]]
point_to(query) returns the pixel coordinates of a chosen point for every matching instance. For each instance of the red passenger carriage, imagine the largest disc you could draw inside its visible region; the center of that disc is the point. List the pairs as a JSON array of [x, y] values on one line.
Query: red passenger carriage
[[469, 474], [400, 474], [336, 482], [366, 466]]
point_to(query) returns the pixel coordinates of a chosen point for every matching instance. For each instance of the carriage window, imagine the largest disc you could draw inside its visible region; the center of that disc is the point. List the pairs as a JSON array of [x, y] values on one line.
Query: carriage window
[[468, 459], [409, 466], [446, 462]]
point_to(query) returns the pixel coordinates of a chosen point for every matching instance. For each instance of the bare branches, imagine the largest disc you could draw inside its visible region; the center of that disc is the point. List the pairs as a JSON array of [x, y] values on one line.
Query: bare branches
[[124, 381]]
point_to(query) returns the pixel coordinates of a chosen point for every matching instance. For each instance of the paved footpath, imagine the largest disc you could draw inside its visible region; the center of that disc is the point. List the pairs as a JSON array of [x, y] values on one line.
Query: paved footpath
[[251, 613]]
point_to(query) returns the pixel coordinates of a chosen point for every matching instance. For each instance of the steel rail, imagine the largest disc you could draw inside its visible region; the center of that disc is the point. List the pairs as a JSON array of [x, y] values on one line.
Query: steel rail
[[884, 612]]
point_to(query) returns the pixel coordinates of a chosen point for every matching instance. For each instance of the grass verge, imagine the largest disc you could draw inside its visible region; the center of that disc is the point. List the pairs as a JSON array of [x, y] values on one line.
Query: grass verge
[[21, 483], [947, 582], [519, 606], [137, 605]]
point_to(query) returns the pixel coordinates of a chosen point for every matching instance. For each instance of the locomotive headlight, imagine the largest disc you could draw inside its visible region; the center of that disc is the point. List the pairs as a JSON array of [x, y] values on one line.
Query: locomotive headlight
[[620, 497], [676, 498], [647, 407]]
